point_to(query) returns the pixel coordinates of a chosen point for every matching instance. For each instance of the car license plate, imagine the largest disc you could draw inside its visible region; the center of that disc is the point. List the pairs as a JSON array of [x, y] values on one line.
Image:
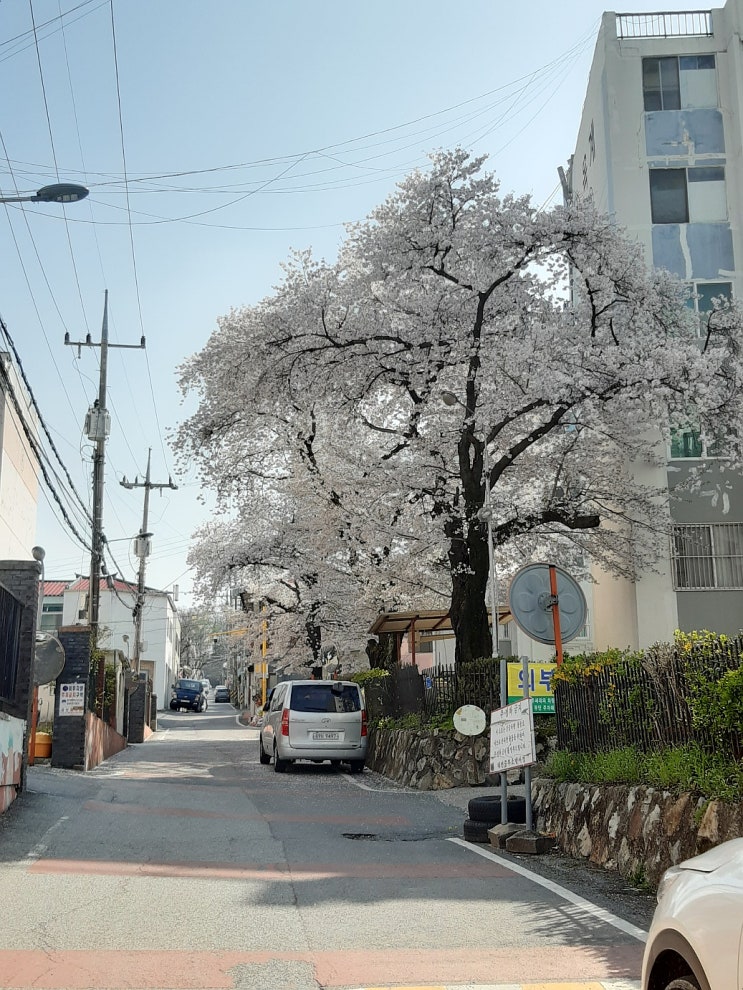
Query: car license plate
[[326, 735]]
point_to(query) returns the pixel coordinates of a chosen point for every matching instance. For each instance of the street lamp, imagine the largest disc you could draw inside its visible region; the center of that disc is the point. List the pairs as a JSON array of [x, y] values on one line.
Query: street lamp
[[58, 192], [486, 513]]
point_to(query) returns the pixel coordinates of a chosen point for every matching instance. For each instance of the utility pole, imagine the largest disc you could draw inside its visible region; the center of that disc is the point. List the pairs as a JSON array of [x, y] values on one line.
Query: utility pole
[[97, 427], [142, 547]]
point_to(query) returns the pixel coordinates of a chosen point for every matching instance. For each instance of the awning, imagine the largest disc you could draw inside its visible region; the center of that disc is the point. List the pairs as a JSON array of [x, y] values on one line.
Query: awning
[[428, 625]]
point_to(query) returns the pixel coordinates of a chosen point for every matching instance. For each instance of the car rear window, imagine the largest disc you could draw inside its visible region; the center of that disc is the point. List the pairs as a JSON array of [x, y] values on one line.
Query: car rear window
[[325, 698], [190, 685]]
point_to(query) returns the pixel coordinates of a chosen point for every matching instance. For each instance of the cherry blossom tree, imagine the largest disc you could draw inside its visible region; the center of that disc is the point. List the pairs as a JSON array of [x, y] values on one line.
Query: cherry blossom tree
[[463, 340]]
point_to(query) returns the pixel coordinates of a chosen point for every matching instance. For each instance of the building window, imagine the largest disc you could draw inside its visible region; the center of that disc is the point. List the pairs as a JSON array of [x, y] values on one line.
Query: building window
[[688, 195], [660, 83], [679, 82], [708, 297], [691, 441], [706, 557], [669, 202]]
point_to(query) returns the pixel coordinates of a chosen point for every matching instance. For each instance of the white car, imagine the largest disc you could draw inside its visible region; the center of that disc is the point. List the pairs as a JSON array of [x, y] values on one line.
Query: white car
[[694, 942], [314, 720]]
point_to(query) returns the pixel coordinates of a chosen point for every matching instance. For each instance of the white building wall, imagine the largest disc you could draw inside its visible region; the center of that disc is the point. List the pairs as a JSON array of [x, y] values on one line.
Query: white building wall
[[160, 631], [18, 474]]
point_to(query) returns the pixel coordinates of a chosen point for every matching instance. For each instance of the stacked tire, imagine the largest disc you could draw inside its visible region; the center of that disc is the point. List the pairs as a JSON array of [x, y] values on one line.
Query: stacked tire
[[485, 812]]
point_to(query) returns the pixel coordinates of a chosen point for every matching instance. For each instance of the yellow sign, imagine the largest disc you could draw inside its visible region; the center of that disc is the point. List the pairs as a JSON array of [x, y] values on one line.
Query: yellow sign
[[540, 685]]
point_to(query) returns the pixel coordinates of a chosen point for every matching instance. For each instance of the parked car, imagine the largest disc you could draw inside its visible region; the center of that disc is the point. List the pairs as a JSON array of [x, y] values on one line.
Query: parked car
[[694, 942], [188, 693], [314, 720], [207, 685], [221, 693]]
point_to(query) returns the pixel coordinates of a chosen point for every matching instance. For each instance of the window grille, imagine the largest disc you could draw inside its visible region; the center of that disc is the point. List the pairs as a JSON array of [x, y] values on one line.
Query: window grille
[[708, 557]]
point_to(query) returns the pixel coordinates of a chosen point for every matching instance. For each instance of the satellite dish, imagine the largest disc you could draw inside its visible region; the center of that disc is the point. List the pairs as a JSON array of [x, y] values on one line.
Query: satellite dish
[[48, 658], [531, 602]]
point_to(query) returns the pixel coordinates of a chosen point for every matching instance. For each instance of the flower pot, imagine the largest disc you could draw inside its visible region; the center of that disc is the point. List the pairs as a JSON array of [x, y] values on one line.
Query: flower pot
[[43, 746]]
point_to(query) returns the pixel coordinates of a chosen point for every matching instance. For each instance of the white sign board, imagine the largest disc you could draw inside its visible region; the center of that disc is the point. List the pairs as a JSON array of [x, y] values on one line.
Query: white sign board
[[470, 720], [72, 698], [512, 737]]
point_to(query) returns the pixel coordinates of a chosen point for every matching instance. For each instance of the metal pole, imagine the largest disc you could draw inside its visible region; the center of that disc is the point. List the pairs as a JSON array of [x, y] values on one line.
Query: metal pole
[[527, 769], [555, 613], [494, 623]]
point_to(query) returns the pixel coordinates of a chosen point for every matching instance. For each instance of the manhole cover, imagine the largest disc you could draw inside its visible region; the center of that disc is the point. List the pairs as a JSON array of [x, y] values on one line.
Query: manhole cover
[[369, 836]]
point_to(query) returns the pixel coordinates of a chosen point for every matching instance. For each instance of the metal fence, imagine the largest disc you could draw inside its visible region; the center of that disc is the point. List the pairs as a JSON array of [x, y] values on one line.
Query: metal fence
[[11, 612], [435, 690], [642, 704]]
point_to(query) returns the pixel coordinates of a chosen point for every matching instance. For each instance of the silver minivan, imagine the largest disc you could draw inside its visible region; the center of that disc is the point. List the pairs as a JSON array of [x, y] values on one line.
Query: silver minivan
[[315, 720]]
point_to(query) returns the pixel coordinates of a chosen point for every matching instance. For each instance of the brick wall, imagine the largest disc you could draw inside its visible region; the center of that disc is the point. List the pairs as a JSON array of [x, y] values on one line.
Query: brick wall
[[139, 709], [68, 740]]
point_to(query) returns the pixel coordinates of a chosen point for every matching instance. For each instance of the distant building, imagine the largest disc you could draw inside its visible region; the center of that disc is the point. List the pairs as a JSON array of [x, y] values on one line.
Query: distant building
[[161, 628], [659, 149]]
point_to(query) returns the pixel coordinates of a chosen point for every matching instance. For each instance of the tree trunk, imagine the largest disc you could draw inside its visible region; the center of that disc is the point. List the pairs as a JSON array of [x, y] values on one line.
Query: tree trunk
[[313, 634], [469, 613]]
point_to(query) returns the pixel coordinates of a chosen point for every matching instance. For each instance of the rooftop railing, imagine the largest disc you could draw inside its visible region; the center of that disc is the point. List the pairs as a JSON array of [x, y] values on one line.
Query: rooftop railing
[[672, 24]]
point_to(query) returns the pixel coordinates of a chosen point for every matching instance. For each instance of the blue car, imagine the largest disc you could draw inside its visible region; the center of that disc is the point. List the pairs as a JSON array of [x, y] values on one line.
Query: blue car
[[187, 693]]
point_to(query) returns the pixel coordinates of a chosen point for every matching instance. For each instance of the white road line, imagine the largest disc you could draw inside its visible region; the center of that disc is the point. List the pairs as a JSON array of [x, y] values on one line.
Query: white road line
[[580, 902], [43, 844]]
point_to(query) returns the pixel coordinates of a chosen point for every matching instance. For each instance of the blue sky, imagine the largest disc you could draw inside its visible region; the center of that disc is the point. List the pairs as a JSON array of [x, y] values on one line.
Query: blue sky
[[214, 139]]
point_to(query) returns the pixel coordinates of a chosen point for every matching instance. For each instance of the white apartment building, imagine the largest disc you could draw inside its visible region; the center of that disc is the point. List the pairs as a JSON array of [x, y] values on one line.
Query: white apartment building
[[161, 628], [660, 149]]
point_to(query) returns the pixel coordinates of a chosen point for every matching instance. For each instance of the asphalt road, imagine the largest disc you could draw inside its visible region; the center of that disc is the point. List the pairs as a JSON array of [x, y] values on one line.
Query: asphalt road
[[184, 863]]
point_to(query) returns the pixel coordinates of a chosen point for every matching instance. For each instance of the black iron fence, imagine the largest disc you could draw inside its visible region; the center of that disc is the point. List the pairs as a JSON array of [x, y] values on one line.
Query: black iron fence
[[645, 703], [435, 690], [11, 612]]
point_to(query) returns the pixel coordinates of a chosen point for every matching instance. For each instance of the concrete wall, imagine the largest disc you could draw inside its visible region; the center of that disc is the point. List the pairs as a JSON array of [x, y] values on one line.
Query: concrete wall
[[101, 741], [12, 735]]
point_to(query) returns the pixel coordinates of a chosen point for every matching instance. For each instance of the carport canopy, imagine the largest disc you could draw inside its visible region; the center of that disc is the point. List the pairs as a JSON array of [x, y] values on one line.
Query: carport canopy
[[425, 626]]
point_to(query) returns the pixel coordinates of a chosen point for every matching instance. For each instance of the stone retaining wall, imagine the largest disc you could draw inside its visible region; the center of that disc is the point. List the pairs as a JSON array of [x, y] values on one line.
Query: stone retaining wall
[[429, 761], [638, 831]]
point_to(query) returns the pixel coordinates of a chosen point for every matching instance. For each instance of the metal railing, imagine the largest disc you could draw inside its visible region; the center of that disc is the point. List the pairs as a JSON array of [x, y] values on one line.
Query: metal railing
[[665, 24]]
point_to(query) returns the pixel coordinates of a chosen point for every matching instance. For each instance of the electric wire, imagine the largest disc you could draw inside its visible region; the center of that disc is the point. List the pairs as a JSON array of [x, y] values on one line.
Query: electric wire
[[38, 453], [131, 229], [6, 334], [54, 156]]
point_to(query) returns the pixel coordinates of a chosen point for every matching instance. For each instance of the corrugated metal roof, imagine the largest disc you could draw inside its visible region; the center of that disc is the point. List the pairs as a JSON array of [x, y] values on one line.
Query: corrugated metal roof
[[82, 585], [54, 588]]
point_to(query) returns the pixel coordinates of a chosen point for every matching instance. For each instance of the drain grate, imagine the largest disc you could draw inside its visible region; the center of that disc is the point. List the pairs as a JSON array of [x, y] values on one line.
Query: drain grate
[[369, 836]]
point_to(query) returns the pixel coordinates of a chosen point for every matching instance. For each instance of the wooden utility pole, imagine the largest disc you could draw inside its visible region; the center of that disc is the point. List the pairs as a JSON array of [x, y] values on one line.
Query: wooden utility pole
[[142, 546], [97, 427]]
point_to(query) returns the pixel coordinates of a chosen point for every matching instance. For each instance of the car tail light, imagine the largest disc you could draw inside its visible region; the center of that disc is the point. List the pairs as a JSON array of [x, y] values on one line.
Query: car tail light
[[285, 722], [363, 722]]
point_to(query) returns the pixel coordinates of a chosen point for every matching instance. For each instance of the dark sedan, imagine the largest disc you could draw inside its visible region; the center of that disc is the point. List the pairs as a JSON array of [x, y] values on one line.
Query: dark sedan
[[221, 693]]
